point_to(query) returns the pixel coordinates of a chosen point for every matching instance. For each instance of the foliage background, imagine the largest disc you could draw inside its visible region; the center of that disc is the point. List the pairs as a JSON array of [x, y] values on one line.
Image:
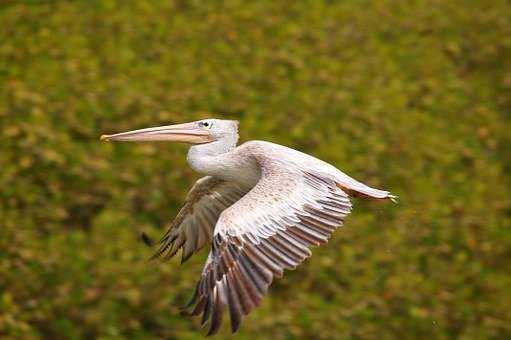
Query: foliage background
[[413, 96]]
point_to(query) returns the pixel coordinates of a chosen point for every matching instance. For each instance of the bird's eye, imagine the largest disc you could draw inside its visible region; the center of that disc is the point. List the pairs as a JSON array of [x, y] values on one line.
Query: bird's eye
[[206, 124]]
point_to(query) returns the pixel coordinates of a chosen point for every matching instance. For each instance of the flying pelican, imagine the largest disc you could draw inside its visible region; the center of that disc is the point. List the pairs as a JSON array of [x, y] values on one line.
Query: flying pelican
[[261, 206]]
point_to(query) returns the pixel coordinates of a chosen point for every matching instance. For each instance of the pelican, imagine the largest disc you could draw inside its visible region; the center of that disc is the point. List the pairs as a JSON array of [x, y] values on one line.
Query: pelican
[[261, 206]]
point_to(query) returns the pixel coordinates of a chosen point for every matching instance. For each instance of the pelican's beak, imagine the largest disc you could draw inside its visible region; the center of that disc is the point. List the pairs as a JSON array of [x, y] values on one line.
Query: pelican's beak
[[187, 133]]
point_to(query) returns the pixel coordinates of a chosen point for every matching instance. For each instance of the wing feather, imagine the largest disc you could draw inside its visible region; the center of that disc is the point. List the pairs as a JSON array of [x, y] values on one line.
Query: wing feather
[[193, 226], [268, 230]]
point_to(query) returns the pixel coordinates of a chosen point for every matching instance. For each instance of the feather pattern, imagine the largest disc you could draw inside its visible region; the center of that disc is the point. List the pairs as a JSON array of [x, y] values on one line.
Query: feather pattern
[[268, 230], [193, 226]]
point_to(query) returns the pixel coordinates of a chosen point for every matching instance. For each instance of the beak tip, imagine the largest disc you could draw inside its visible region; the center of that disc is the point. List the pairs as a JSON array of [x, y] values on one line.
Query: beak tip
[[104, 138]]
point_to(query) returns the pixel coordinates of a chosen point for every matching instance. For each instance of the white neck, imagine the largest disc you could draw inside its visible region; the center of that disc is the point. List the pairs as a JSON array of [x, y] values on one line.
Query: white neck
[[207, 158]]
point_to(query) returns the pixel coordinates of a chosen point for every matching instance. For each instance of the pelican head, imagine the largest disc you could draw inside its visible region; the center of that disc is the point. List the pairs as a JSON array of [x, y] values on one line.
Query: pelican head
[[198, 132]]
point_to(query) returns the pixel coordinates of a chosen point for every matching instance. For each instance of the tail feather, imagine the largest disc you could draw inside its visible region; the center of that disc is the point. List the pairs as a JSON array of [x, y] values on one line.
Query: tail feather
[[357, 189]]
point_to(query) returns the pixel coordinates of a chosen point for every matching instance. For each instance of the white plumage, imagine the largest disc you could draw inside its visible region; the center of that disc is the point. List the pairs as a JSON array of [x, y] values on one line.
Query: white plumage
[[261, 206]]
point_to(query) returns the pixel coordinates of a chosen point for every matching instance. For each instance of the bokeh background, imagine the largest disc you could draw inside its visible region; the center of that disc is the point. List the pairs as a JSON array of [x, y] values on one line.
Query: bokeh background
[[410, 96]]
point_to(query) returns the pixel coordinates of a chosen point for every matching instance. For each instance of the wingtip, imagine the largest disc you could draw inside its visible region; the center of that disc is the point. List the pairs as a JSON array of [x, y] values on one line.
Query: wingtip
[[148, 241], [185, 256], [153, 258], [235, 327], [156, 256], [211, 332], [185, 312]]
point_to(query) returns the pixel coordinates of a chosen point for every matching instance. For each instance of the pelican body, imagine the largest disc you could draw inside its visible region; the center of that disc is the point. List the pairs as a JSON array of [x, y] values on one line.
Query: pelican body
[[261, 206]]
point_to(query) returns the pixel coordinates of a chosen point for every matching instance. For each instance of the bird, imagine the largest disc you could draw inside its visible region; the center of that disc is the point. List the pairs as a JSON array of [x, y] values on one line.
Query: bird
[[260, 206]]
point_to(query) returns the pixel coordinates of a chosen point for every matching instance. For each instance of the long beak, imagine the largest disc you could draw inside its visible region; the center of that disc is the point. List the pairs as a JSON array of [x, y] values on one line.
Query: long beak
[[186, 133]]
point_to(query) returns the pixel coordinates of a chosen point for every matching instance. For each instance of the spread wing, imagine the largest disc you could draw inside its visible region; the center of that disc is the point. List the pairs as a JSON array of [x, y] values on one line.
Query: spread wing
[[193, 226], [268, 230]]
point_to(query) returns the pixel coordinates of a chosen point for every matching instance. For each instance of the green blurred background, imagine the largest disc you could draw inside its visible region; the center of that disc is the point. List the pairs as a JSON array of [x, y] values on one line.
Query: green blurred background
[[410, 96]]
